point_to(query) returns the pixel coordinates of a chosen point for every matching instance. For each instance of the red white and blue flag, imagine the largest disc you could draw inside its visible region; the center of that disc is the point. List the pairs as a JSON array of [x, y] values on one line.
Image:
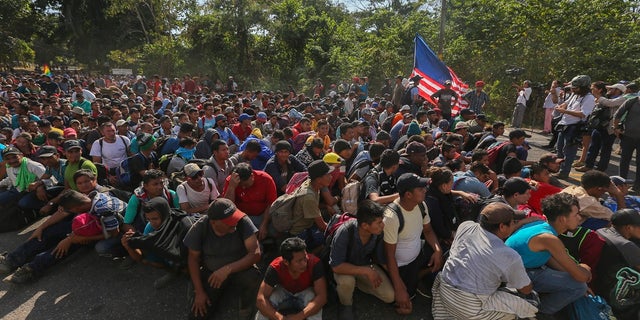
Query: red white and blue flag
[[434, 73]]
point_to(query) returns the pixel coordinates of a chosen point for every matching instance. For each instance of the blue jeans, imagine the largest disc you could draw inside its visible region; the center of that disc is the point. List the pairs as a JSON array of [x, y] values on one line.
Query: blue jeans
[[38, 254], [557, 289], [628, 145], [602, 143], [283, 300], [568, 147], [10, 196]]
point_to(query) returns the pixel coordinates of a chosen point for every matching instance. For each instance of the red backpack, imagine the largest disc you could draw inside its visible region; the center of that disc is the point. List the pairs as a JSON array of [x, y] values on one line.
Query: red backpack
[[493, 153]]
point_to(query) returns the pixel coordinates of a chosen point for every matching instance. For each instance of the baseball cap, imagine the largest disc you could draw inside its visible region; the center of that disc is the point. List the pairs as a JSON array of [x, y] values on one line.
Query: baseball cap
[[580, 81], [221, 117], [415, 147], [332, 158], [405, 108], [479, 83], [618, 180], [550, 157], [499, 212], [71, 144], [408, 181], [120, 122], [68, 132], [481, 117], [319, 168], [466, 111], [243, 117], [225, 211], [191, 170], [77, 110], [516, 185], [47, 151], [10, 150], [618, 86], [262, 115], [461, 125]]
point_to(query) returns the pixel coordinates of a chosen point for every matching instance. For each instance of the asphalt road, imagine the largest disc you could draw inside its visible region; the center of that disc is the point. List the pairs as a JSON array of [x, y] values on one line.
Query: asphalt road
[[86, 286]]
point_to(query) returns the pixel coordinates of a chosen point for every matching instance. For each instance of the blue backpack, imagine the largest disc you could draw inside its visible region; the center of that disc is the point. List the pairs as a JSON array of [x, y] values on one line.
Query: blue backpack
[[590, 308]]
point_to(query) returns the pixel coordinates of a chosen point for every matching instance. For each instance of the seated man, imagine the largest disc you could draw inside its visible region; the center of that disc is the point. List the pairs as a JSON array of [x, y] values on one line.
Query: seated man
[[253, 191], [620, 261], [55, 239], [405, 255], [182, 156], [593, 185], [223, 251], [555, 275], [51, 184], [294, 285], [379, 183], [469, 286], [21, 172], [197, 192], [355, 258], [631, 202], [283, 165]]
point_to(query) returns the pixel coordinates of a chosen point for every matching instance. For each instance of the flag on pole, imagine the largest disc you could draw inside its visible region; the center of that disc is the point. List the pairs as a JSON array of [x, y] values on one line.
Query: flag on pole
[[46, 70], [434, 73]]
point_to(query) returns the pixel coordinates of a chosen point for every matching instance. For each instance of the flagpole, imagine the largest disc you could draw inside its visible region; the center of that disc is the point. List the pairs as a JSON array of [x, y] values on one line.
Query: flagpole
[[443, 11]]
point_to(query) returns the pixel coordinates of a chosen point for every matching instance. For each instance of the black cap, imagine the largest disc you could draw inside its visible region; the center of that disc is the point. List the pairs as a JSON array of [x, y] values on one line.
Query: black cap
[[409, 181], [318, 168], [71, 144], [224, 210], [283, 145], [415, 147], [47, 151], [9, 151]]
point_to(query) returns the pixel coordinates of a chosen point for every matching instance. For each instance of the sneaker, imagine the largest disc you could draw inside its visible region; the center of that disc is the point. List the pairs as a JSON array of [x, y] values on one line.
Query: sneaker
[[5, 266], [578, 164], [165, 280], [23, 274], [345, 312], [583, 169]]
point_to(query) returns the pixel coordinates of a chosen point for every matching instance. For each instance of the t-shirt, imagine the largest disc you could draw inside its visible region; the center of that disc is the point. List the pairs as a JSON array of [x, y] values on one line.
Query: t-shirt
[[479, 262], [385, 185], [112, 153], [306, 209], [278, 274], [519, 241], [407, 242], [360, 253], [217, 251], [255, 199], [523, 96], [71, 169], [197, 198]]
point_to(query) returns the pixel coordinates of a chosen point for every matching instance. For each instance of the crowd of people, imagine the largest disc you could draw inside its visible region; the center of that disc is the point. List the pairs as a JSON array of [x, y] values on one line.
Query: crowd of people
[[286, 198]]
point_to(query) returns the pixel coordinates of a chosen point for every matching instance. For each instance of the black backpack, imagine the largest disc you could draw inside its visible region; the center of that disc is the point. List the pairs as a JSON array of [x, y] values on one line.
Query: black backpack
[[406, 97]]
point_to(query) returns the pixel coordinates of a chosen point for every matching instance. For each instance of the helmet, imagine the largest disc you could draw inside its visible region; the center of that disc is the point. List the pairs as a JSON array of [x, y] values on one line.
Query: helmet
[[581, 81]]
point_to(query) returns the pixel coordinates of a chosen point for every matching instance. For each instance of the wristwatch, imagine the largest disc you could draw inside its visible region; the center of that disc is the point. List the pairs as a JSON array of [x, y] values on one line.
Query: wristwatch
[[50, 204]]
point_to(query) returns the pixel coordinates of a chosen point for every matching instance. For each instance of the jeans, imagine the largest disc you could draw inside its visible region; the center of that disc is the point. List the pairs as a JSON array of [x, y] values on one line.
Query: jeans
[[38, 254], [628, 145], [346, 284], [11, 196], [568, 147], [602, 143], [30, 200], [246, 282], [283, 300], [410, 273], [557, 289], [518, 115]]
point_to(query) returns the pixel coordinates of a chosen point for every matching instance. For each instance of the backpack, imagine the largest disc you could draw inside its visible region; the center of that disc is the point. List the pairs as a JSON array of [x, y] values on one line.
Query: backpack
[[493, 153], [166, 242], [599, 117], [398, 211], [296, 181], [590, 308], [281, 210], [160, 142], [123, 171], [406, 97], [163, 162], [301, 139], [387, 124], [335, 222], [350, 197]]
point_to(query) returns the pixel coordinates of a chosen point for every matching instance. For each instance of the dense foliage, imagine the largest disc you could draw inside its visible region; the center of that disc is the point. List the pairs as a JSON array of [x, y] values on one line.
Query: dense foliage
[[275, 43]]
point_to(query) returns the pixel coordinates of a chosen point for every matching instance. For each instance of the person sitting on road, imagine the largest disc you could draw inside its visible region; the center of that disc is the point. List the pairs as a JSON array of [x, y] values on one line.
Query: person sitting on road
[[197, 192], [356, 254], [21, 173], [183, 155], [632, 202], [152, 186], [283, 165], [223, 251], [294, 285], [57, 237]]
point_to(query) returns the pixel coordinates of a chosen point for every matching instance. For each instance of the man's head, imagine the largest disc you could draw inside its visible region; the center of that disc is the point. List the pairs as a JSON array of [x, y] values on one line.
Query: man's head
[[412, 187], [12, 156], [75, 202], [627, 223], [85, 180], [343, 149], [551, 162], [252, 149], [416, 153], [517, 137], [48, 155], [498, 218], [540, 173], [595, 182], [622, 184], [245, 173], [283, 151], [156, 211], [320, 173], [224, 216], [516, 189], [562, 208], [511, 167], [220, 150], [480, 170], [294, 254], [108, 131], [370, 215]]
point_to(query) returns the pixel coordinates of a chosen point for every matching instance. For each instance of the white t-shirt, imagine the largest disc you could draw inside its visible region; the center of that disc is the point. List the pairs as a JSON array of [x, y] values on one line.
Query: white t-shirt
[[523, 96], [198, 198], [408, 241], [548, 101], [584, 104], [111, 153]]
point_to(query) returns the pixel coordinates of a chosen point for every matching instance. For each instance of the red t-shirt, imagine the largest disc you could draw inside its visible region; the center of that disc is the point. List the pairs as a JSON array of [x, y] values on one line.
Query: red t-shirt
[[241, 132], [255, 199], [278, 274], [544, 190], [190, 86]]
